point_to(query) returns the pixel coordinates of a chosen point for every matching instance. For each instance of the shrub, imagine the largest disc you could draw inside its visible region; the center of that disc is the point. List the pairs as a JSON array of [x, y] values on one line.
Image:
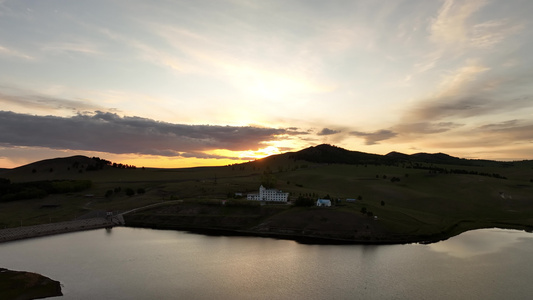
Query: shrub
[[130, 192], [304, 201]]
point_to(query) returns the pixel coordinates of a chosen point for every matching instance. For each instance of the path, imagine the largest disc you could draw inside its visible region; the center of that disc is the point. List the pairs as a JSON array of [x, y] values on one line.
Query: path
[[18, 233]]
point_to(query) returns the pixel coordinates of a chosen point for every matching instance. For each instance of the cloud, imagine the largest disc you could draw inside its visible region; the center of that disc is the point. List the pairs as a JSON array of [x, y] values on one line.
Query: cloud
[[108, 132], [372, 138], [203, 155], [473, 91], [62, 48], [426, 127], [46, 103], [491, 33], [14, 53], [327, 131], [451, 24], [511, 131]]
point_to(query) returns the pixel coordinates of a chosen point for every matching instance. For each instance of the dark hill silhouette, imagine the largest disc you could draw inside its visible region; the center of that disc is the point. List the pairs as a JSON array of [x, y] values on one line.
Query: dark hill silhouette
[[326, 153], [62, 167], [323, 153], [78, 161], [332, 154]]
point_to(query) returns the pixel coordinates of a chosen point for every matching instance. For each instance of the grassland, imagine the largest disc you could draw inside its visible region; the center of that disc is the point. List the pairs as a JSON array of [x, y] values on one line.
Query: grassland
[[419, 204]]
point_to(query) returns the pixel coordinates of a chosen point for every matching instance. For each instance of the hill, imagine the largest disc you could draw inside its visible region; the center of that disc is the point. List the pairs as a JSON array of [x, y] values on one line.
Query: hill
[[59, 168], [331, 154], [326, 153]]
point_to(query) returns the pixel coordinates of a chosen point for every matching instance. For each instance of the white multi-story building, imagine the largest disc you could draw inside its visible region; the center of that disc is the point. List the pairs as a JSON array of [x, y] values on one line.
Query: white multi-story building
[[269, 195]]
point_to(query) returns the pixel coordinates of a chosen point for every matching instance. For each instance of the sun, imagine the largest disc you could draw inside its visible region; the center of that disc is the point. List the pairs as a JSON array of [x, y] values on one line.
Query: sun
[[247, 155], [258, 154], [270, 150]]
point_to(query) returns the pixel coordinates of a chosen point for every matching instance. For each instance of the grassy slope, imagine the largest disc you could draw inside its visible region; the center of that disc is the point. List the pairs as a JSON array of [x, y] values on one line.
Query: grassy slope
[[419, 204]]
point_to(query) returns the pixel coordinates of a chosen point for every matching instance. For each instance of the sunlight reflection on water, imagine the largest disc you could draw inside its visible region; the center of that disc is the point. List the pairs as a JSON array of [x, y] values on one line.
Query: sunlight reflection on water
[[480, 242]]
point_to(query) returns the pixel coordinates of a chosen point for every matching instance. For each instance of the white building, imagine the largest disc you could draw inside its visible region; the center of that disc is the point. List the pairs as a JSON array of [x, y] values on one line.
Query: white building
[[269, 195], [323, 202]]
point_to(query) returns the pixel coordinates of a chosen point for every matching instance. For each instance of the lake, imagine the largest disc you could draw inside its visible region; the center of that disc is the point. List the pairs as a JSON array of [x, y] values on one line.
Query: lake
[[130, 263]]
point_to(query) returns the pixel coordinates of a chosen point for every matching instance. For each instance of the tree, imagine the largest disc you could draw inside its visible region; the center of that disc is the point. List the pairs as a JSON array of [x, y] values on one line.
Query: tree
[[268, 179], [304, 201], [130, 192], [363, 210]]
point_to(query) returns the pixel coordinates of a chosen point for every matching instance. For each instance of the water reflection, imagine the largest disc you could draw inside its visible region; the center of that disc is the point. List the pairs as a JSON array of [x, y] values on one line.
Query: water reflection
[[480, 242], [159, 264]]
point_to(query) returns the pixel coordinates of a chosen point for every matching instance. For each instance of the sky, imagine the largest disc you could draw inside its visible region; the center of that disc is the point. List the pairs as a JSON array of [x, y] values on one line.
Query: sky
[[195, 83]]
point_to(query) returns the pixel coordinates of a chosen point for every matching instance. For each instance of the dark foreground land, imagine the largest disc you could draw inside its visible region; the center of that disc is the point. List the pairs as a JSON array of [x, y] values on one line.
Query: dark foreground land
[[19, 285], [394, 198]]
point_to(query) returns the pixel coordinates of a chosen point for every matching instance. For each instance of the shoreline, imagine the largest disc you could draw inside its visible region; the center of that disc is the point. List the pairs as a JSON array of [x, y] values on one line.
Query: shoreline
[[27, 232], [454, 230], [303, 239]]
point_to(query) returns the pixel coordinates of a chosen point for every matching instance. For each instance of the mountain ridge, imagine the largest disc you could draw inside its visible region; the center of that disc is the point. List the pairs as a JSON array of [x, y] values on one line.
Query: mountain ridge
[[323, 153]]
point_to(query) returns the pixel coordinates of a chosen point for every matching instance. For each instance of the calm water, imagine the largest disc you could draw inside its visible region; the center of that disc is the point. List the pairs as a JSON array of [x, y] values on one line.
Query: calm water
[[127, 263]]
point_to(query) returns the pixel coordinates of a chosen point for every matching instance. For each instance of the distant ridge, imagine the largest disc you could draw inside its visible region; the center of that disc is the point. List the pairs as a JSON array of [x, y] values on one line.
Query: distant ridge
[[77, 160], [55, 168], [326, 153], [323, 153]]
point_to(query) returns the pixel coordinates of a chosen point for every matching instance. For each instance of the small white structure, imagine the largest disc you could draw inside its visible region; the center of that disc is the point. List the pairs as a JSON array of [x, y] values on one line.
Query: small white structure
[[323, 202], [350, 200], [269, 195]]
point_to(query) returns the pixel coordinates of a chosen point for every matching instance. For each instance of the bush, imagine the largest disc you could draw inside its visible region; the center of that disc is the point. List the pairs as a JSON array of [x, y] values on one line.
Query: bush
[[130, 192], [40, 189], [243, 203], [304, 201]]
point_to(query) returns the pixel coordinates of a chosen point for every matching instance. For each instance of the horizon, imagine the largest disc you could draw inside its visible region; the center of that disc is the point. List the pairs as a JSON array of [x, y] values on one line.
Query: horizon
[[212, 83], [242, 162]]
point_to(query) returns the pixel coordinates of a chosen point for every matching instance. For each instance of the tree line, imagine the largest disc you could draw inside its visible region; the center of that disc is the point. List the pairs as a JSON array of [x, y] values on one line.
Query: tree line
[[39, 189]]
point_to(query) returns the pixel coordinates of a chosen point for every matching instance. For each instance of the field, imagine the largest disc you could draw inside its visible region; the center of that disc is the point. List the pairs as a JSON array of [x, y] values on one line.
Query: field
[[398, 200]]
